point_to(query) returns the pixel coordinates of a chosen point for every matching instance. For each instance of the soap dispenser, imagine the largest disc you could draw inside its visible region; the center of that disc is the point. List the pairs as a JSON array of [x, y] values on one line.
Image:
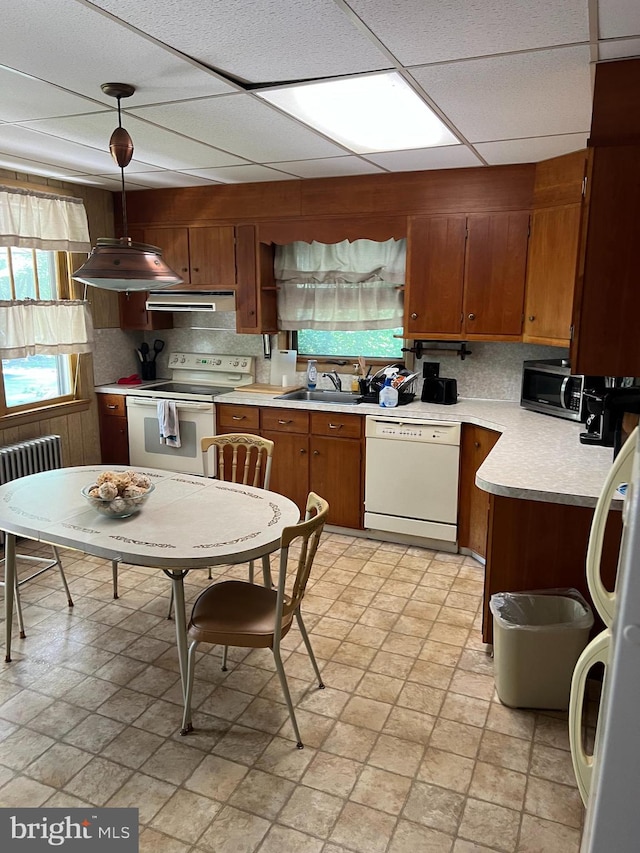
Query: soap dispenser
[[312, 374]]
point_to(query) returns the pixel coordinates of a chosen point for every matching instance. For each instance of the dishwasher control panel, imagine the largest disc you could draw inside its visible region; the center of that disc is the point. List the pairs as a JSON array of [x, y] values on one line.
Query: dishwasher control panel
[[431, 432]]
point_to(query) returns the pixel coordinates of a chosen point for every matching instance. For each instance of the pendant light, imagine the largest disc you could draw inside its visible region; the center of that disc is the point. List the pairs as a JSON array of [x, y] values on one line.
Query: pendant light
[[120, 264]]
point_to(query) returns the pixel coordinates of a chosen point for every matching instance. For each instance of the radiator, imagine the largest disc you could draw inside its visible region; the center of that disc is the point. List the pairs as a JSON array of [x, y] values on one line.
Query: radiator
[[30, 457]]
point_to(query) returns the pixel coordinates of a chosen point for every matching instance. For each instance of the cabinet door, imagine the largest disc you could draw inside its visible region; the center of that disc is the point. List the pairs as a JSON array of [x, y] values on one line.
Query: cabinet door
[[495, 266], [607, 305], [435, 271], [473, 506], [336, 475], [247, 280], [290, 466], [114, 438], [174, 243], [212, 261], [551, 275]]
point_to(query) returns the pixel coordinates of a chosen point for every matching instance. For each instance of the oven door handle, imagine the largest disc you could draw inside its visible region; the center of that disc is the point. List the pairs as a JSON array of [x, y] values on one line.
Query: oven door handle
[[181, 405]]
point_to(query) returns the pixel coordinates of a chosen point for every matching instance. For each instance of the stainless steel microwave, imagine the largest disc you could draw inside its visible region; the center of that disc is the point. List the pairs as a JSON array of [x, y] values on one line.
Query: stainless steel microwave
[[548, 386]]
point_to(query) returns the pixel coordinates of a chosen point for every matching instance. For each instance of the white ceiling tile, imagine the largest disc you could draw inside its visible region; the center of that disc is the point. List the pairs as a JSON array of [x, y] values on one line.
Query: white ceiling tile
[[619, 48], [618, 18], [448, 157], [242, 174], [257, 40], [329, 167], [153, 180], [531, 150], [417, 32], [107, 183], [244, 125], [75, 46], [20, 164], [530, 94], [25, 142], [25, 98], [152, 145]]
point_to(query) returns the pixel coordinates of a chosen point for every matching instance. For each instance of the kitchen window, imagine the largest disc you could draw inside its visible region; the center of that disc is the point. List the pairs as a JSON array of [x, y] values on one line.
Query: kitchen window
[[342, 300], [37, 380]]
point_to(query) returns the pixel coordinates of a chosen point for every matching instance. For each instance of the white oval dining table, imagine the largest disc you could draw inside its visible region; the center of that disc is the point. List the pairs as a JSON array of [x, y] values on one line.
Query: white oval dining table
[[188, 522]]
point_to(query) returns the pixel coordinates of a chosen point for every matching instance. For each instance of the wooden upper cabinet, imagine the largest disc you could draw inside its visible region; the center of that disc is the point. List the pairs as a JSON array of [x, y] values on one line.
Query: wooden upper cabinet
[[204, 257], [495, 267], [256, 291], [551, 275], [435, 276], [134, 314]]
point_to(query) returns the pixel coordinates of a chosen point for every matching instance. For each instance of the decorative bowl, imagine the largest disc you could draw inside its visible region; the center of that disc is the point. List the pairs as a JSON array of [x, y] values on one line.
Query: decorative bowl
[[121, 506]]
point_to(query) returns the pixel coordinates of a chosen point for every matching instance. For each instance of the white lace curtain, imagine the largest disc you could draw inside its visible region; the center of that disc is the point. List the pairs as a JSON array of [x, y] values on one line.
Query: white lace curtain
[[347, 286], [33, 220], [30, 327]]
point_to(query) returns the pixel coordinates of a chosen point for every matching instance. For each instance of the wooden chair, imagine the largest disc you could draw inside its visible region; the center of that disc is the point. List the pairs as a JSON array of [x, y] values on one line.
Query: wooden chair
[[237, 613], [239, 458]]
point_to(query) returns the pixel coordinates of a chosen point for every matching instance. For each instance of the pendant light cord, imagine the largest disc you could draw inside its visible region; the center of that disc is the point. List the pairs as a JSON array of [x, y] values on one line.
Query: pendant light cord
[[125, 224]]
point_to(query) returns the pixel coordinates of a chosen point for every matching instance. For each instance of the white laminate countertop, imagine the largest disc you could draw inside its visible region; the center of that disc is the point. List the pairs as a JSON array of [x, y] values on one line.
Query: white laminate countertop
[[537, 457]]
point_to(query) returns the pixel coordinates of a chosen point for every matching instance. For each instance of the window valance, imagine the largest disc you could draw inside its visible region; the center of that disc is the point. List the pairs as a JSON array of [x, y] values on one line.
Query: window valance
[[347, 286], [43, 327], [33, 220]]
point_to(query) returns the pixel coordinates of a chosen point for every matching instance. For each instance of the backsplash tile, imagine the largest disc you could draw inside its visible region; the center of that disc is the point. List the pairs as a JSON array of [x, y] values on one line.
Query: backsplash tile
[[492, 371]]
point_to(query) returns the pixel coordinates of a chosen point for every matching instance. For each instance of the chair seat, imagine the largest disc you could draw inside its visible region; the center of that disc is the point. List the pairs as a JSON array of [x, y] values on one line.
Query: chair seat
[[236, 613]]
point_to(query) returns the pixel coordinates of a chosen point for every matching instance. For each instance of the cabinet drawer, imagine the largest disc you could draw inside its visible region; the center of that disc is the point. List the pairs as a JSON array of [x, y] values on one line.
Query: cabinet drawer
[[238, 418], [336, 424], [112, 405], [284, 420]]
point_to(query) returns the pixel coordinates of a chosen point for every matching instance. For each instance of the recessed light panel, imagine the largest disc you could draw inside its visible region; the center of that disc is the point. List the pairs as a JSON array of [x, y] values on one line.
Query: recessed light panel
[[377, 112]]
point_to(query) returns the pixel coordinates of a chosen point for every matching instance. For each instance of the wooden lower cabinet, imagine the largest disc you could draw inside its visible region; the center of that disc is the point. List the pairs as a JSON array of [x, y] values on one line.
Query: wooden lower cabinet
[[314, 451], [114, 437], [473, 505], [537, 545]]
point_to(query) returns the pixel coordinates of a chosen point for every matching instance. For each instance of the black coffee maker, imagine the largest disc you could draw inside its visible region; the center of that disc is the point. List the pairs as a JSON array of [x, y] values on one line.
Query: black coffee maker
[[606, 410]]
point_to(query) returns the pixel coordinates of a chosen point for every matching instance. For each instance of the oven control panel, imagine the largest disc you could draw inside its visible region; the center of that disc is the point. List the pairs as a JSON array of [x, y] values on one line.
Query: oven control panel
[[215, 363]]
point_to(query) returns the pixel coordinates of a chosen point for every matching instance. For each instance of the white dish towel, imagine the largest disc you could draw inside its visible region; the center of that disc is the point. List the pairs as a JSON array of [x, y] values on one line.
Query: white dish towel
[[168, 423]]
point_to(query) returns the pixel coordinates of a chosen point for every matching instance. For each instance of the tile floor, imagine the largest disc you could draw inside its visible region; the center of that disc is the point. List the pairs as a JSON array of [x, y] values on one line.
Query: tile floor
[[408, 749]]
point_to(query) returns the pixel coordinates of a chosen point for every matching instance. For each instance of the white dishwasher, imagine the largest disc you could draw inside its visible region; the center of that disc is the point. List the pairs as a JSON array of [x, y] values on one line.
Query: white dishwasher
[[411, 477]]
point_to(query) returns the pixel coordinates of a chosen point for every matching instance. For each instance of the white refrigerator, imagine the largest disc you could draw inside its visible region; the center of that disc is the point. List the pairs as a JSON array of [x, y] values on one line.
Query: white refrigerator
[[609, 780]]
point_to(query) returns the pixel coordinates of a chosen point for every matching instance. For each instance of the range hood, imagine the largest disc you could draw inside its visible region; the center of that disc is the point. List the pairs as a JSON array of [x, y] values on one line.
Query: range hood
[[217, 300]]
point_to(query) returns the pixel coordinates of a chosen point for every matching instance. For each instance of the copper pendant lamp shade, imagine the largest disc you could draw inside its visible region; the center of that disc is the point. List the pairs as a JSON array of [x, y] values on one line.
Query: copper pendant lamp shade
[[120, 264]]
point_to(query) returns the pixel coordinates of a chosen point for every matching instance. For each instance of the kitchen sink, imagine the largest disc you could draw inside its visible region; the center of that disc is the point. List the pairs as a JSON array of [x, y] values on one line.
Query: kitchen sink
[[319, 396]]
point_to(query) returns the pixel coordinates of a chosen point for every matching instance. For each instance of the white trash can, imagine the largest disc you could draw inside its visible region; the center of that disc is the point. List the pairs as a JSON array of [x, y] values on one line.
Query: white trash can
[[537, 639]]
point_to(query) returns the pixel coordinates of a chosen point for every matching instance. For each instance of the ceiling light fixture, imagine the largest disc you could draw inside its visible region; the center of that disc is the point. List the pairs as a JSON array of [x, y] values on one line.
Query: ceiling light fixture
[[120, 264], [368, 113]]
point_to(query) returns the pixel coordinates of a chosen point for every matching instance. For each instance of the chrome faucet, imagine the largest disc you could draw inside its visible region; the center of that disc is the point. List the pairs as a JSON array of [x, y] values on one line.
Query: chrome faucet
[[333, 376]]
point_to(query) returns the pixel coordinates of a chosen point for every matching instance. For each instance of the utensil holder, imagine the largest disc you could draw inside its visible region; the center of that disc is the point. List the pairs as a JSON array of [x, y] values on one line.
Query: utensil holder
[[148, 370]]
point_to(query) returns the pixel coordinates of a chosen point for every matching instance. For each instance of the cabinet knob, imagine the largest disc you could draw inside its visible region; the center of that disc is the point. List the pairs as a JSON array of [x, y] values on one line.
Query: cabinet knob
[[237, 417], [280, 421], [196, 269], [184, 269], [316, 453], [302, 450], [336, 426], [532, 318], [476, 444], [109, 406], [414, 316], [472, 316]]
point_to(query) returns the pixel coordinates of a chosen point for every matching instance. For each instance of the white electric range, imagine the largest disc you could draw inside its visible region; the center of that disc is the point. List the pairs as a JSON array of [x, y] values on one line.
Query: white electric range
[[196, 378]]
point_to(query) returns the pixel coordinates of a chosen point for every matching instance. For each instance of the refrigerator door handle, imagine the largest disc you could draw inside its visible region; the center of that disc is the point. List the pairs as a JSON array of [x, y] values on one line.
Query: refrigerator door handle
[[620, 472], [596, 652]]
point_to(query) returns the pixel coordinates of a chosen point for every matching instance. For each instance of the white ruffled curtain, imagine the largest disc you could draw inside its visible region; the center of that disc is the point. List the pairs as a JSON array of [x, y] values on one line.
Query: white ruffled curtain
[[29, 327], [33, 220], [347, 286]]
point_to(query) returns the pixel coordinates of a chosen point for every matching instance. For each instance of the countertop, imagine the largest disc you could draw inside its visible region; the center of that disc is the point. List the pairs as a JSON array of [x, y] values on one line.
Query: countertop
[[537, 457]]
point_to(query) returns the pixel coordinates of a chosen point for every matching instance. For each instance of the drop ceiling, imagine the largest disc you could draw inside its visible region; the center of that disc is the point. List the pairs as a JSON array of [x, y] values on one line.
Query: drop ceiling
[[511, 79]]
